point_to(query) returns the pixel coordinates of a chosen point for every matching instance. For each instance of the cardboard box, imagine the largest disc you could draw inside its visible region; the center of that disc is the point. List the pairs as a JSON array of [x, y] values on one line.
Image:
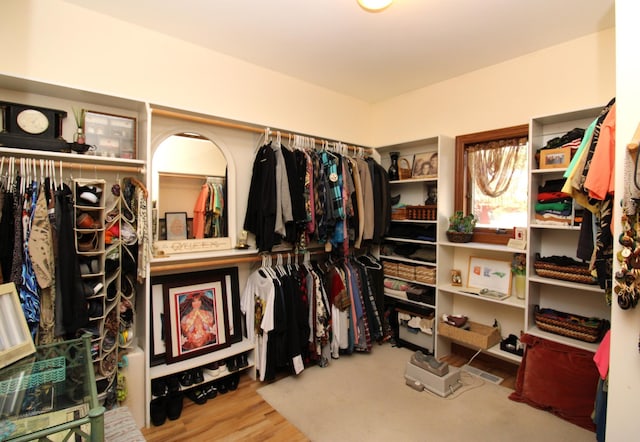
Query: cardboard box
[[478, 336]]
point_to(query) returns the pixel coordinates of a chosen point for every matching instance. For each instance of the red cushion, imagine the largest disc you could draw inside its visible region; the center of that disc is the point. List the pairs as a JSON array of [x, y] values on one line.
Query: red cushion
[[557, 378]]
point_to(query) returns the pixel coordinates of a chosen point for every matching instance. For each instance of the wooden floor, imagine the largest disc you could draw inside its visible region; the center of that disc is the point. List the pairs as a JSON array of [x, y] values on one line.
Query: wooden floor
[[244, 415]]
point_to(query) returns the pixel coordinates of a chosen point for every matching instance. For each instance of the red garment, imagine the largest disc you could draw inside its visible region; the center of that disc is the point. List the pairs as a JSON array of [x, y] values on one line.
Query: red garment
[[601, 358], [199, 211]]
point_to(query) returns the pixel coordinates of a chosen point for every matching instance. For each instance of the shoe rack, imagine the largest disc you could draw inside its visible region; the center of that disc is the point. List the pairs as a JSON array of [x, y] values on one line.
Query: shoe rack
[[107, 248], [89, 206]]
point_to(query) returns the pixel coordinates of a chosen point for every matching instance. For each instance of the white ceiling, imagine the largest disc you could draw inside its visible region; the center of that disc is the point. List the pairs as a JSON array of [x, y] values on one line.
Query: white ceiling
[[371, 56]]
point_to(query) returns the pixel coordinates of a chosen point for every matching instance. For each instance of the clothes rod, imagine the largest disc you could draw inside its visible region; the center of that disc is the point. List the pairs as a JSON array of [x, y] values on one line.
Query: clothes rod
[[162, 268], [90, 167], [238, 126]]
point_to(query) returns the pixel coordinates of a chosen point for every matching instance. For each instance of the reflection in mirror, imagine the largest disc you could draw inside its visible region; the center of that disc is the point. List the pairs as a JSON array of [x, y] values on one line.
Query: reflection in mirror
[[189, 175]]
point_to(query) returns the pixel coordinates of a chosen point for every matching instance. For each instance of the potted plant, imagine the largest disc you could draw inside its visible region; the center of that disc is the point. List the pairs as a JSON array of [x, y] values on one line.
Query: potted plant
[[461, 227]]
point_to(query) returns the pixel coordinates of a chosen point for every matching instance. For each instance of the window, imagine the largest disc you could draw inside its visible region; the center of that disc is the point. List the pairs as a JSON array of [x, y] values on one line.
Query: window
[[492, 182]]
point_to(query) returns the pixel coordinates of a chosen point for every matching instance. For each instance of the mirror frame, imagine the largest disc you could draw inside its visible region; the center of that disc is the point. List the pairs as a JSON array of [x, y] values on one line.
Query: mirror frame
[[174, 127]]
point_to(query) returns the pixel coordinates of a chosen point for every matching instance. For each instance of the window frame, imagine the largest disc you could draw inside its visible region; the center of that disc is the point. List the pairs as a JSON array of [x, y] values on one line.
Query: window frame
[[462, 198]]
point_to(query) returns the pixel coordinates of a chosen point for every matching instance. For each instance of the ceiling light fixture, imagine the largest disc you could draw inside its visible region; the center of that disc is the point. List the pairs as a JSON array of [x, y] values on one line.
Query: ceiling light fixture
[[374, 5]]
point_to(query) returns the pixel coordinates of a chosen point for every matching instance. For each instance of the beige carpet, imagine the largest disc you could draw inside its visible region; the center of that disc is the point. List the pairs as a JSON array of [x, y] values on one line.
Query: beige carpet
[[364, 397]]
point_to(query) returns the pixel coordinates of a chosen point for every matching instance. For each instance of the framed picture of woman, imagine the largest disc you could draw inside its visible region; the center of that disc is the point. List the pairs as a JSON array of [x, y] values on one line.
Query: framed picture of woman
[[196, 317], [425, 165]]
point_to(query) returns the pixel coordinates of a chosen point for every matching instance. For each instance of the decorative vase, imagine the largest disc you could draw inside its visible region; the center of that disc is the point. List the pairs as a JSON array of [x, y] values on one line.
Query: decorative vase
[[78, 137], [520, 285], [393, 169]]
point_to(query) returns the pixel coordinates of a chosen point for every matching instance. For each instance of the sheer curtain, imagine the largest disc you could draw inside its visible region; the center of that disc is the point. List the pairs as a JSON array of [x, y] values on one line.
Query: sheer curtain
[[491, 165]]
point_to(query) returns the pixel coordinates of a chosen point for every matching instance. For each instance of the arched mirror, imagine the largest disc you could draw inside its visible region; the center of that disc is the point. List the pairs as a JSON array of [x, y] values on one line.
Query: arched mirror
[[189, 193]]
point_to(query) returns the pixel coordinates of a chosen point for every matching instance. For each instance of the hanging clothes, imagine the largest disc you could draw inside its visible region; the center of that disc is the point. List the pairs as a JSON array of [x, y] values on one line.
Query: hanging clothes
[[260, 218]]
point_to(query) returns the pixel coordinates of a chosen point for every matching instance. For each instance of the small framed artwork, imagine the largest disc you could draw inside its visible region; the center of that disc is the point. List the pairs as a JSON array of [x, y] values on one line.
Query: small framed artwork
[[112, 135], [196, 315], [158, 346], [432, 195], [15, 337], [491, 274], [555, 158], [176, 225], [425, 165], [456, 277]]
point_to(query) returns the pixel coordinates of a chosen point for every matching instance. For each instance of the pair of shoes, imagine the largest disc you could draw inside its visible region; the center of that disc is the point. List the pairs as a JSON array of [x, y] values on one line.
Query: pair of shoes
[[158, 410], [95, 309], [429, 363], [174, 405], [89, 195], [210, 390], [455, 320], [86, 221], [243, 361], [89, 266], [232, 364], [212, 370], [234, 380], [159, 387], [197, 395], [91, 289], [191, 377], [88, 242]]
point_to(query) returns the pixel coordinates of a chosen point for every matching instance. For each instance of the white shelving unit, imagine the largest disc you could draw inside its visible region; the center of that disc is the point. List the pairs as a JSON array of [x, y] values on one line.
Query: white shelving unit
[[414, 192], [547, 240], [112, 169]]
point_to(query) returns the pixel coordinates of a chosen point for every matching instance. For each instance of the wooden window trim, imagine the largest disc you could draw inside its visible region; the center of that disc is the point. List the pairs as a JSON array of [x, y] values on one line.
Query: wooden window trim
[[463, 177]]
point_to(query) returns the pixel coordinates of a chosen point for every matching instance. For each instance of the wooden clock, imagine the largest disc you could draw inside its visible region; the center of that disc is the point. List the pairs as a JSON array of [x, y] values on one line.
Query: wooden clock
[[32, 127]]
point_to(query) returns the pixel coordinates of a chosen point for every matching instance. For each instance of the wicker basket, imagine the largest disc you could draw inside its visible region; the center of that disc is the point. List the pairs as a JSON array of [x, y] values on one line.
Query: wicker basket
[[478, 336], [404, 169], [459, 236], [399, 213], [569, 325], [573, 273], [426, 274], [406, 271], [390, 268]]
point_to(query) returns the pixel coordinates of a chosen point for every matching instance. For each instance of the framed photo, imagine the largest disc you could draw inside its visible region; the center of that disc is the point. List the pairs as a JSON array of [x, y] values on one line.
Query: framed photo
[[432, 195], [492, 274], [555, 158], [425, 165], [112, 135], [176, 225], [158, 347], [196, 314], [15, 337]]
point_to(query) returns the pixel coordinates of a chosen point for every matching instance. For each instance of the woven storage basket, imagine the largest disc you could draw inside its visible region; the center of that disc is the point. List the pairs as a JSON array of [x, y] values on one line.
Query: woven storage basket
[[478, 336], [399, 213], [426, 274], [569, 325], [404, 169], [579, 274], [425, 212], [389, 268], [406, 271]]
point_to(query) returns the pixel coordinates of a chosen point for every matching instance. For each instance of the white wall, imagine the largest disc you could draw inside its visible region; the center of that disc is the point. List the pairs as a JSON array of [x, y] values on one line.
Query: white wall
[[61, 43], [573, 75], [624, 384]]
